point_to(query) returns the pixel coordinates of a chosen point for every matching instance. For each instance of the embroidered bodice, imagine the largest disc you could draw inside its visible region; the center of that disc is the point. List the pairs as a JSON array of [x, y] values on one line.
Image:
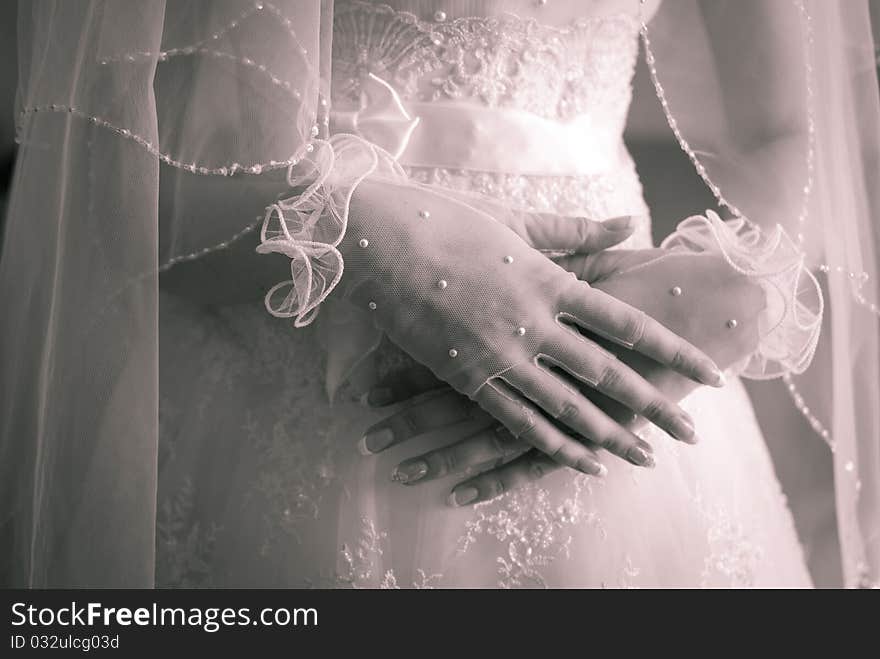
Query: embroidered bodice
[[582, 70], [501, 61]]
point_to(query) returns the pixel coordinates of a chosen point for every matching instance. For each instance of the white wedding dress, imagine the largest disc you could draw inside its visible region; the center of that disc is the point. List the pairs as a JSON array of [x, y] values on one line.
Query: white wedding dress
[[261, 483]]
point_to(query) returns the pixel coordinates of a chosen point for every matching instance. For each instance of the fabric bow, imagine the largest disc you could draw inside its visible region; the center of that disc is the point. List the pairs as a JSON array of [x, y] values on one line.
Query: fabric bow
[[382, 119]]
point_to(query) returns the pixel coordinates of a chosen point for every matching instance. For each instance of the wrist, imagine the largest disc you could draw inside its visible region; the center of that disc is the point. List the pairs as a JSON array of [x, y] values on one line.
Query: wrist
[[383, 230]]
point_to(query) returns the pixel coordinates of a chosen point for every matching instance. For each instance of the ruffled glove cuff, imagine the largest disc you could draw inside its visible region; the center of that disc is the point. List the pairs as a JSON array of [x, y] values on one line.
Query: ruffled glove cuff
[[308, 226], [789, 325]]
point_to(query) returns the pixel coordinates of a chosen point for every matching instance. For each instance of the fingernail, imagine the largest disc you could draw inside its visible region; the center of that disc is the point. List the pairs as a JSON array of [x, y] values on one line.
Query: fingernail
[[716, 378], [462, 496], [640, 457], [379, 396], [592, 468], [683, 428], [409, 472], [618, 223], [375, 440]]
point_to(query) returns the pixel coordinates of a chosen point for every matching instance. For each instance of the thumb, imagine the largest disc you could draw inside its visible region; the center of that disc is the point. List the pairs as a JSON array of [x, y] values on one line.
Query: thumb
[[592, 268], [579, 235]]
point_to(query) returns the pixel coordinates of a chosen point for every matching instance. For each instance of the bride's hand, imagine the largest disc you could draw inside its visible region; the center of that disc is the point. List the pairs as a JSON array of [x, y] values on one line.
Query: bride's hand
[[464, 295], [483, 444]]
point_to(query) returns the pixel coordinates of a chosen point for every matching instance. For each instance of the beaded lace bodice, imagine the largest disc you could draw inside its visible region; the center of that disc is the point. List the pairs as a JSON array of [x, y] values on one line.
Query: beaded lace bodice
[[500, 61], [503, 62]]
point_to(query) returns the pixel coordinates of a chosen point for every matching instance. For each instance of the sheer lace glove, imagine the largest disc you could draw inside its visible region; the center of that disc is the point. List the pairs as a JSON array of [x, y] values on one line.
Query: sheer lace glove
[[670, 287], [462, 294], [747, 300]]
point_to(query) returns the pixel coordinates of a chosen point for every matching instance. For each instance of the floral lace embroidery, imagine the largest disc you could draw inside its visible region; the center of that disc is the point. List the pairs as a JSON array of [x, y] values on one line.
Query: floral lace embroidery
[[600, 196], [359, 566], [733, 558], [532, 529], [361, 563], [424, 581], [502, 61], [184, 548], [293, 476], [292, 439]]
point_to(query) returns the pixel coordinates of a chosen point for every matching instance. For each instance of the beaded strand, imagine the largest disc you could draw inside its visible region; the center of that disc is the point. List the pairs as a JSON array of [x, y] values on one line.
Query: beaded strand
[[211, 248], [164, 55], [199, 49], [807, 21], [193, 168]]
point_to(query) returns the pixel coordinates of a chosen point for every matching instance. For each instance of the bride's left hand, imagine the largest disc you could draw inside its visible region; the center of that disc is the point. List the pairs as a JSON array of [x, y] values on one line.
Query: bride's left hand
[[430, 405], [479, 444]]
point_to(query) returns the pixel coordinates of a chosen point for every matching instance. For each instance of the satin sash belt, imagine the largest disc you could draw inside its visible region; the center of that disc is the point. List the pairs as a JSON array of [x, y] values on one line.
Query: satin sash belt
[[475, 137]]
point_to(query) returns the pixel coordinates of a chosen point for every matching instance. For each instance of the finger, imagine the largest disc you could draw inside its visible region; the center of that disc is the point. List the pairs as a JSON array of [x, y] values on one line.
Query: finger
[[572, 409], [584, 361], [525, 422], [595, 267], [420, 416], [402, 385], [598, 312], [486, 446], [525, 469], [558, 232]]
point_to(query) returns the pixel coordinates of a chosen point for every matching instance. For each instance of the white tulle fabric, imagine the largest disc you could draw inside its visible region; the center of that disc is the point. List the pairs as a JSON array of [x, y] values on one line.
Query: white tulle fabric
[[218, 95]]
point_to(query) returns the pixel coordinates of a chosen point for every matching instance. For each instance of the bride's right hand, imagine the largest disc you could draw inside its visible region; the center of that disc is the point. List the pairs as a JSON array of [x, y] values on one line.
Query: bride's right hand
[[464, 295]]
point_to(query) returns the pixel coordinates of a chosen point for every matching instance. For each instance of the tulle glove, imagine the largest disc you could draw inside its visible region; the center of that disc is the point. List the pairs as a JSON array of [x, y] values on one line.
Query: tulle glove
[[749, 306], [461, 293]]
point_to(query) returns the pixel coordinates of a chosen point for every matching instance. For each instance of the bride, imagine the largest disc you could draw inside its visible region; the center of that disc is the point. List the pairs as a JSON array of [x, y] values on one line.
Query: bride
[[439, 196]]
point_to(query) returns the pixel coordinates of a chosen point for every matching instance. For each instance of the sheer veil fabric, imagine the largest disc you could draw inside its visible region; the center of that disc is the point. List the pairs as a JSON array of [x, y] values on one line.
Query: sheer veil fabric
[[802, 152], [776, 102]]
